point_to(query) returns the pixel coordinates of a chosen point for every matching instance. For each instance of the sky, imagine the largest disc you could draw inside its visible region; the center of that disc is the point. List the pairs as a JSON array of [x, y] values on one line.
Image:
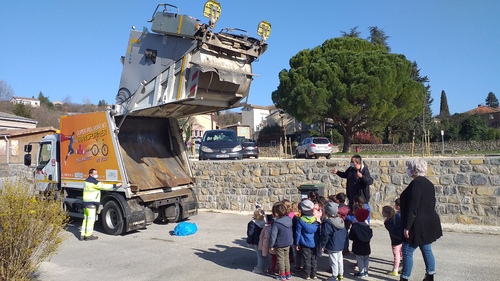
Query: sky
[[70, 50]]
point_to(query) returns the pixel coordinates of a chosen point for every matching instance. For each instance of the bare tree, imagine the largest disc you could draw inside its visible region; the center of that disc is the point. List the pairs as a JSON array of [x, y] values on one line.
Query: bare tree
[[6, 91], [67, 99], [6, 107], [46, 117], [227, 118]]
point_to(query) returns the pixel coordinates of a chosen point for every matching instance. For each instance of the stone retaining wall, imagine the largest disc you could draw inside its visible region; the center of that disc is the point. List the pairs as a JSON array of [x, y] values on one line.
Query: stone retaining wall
[[467, 189], [404, 148], [435, 147]]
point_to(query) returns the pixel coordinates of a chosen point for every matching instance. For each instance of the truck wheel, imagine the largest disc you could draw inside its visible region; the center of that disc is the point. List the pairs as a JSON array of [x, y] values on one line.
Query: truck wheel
[[178, 216], [112, 218]]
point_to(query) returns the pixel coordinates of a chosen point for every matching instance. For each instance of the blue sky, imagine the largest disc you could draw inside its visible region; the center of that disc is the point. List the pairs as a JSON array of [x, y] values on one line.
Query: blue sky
[[72, 48]]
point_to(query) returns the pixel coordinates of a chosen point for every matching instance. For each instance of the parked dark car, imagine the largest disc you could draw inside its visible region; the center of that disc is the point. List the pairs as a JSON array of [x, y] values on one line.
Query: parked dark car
[[220, 144], [314, 147], [250, 148], [197, 142]]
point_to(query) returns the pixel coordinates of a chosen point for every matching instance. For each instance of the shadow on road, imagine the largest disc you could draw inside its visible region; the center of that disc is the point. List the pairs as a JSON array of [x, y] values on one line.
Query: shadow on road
[[237, 257]]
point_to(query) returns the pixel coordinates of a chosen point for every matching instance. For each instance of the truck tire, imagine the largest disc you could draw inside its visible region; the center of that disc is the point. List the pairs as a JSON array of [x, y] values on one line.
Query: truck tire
[[178, 217], [112, 218]]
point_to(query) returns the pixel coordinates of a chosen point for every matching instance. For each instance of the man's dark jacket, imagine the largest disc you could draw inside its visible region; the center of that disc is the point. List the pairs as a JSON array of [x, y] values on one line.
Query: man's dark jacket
[[355, 185]]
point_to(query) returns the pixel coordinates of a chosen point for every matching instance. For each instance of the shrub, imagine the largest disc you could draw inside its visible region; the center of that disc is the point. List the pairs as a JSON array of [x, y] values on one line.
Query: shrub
[[31, 229], [366, 138]]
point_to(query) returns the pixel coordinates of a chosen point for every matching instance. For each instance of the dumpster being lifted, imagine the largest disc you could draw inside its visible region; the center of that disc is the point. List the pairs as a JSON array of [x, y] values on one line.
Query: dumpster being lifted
[[304, 189], [186, 68]]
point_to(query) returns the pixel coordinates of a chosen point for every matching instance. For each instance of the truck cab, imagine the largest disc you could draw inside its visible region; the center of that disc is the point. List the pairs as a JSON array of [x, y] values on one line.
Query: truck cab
[[47, 169]]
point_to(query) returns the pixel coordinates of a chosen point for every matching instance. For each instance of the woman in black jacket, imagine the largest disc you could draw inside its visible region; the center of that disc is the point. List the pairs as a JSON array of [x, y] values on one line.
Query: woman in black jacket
[[421, 223]]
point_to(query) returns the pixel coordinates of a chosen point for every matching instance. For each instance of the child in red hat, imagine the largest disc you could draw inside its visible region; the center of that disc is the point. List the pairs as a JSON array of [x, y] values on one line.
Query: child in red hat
[[361, 234]]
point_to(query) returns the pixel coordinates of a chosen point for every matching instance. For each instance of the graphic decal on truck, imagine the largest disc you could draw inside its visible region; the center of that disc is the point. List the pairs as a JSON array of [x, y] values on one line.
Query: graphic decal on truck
[[90, 145]]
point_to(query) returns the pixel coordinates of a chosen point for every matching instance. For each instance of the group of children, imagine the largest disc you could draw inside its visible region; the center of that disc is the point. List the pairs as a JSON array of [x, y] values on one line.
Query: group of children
[[301, 232]]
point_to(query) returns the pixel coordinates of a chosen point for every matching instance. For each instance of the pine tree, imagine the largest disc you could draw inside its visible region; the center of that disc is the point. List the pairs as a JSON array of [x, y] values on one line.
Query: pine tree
[[492, 100], [444, 111], [354, 33], [45, 101], [378, 37], [102, 103], [22, 110]]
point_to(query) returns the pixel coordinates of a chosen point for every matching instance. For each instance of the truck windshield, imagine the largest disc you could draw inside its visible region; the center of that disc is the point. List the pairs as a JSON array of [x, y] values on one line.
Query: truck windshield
[[44, 156]]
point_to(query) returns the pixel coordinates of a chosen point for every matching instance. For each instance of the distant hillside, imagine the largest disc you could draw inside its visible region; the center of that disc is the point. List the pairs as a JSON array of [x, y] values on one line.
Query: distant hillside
[[47, 117]]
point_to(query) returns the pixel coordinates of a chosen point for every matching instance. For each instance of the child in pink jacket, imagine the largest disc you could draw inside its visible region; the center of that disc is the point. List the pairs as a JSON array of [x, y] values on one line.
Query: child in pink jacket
[[265, 235]]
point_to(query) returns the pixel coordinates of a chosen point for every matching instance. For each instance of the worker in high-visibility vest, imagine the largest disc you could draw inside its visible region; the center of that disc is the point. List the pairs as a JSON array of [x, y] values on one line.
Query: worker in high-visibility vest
[[91, 200]]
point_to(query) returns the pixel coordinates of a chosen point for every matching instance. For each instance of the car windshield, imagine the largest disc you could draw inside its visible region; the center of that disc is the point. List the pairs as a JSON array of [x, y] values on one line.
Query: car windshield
[[249, 143], [220, 136], [321, 141]]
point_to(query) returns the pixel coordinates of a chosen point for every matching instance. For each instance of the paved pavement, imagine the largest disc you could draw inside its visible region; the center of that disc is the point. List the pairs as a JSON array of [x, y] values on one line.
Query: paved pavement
[[218, 252]]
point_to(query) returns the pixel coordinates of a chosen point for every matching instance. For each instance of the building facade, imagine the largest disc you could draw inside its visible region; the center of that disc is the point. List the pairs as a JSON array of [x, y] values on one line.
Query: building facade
[[12, 143], [201, 123], [26, 101]]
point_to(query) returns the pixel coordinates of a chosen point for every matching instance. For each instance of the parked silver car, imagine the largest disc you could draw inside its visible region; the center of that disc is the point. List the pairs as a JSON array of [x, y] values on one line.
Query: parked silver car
[[314, 147]]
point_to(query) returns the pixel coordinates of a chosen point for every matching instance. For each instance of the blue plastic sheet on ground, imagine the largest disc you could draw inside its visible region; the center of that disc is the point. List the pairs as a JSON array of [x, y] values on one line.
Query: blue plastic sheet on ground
[[185, 229]]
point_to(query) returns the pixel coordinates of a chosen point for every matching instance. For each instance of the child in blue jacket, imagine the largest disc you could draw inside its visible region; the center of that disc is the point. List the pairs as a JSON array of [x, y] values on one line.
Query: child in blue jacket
[[307, 238], [395, 228]]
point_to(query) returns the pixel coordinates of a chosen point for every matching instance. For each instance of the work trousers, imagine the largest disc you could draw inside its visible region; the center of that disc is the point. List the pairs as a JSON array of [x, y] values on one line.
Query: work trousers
[[88, 220]]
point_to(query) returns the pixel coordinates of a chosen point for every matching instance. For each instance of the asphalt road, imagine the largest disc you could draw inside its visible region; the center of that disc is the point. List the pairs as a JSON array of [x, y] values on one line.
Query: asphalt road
[[218, 252]]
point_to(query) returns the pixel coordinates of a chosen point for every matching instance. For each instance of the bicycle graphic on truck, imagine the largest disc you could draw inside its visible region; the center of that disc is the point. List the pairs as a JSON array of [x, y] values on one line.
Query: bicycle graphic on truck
[[99, 146]]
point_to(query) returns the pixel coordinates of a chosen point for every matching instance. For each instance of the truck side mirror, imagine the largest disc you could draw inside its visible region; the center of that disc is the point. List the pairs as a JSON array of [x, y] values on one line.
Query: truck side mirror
[[27, 158], [27, 148]]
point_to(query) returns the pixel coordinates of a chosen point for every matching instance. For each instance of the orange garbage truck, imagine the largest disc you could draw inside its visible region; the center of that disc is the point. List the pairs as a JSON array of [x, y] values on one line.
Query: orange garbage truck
[[178, 69]]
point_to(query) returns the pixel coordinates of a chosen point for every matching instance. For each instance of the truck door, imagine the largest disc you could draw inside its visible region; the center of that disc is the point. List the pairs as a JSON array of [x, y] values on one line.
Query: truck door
[[47, 171]]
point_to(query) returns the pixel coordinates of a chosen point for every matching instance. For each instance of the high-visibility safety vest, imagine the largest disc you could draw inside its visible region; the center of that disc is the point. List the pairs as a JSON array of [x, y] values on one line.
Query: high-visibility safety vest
[[92, 191]]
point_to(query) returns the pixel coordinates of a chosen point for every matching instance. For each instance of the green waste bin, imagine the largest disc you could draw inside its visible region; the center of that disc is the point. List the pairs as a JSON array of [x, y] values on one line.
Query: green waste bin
[[305, 188]]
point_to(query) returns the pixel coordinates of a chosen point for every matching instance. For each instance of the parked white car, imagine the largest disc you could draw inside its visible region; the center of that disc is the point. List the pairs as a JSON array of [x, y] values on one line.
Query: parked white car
[[314, 147]]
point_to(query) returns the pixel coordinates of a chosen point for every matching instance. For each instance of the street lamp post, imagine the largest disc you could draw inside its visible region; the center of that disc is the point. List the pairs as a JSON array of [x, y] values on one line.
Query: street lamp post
[[282, 116], [442, 140]]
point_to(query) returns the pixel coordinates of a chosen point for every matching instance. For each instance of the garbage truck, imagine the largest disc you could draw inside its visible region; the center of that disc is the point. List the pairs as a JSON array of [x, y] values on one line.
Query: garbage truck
[[177, 69]]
